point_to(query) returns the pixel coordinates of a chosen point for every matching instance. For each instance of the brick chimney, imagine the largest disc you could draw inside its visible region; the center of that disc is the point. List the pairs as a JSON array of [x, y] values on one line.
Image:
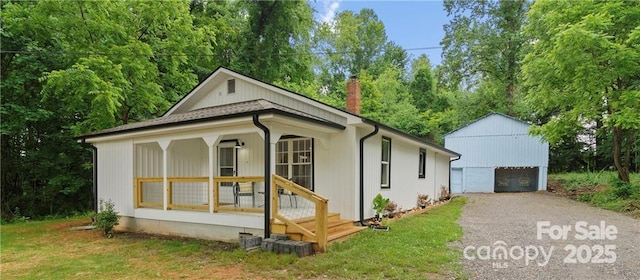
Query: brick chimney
[[353, 95]]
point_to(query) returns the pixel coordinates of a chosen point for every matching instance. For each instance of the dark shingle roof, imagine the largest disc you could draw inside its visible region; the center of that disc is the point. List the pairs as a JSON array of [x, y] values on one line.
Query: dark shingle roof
[[227, 111]]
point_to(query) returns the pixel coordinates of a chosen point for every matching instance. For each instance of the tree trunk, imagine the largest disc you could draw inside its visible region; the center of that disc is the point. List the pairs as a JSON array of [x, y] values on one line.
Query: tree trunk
[[623, 169]]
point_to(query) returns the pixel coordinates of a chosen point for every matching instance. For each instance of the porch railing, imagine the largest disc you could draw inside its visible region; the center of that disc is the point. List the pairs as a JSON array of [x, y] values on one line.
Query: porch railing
[[282, 188], [231, 193], [191, 193]]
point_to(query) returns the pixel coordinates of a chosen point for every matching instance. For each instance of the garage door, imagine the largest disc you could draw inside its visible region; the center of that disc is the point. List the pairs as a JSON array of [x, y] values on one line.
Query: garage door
[[516, 179]]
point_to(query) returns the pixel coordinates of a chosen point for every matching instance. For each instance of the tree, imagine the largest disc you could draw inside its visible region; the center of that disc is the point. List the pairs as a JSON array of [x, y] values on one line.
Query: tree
[[276, 41], [484, 43], [220, 23], [131, 59], [584, 69], [74, 67], [43, 171]]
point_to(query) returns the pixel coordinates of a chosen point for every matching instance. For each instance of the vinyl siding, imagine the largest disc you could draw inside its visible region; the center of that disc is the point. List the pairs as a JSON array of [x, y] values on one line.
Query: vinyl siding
[[492, 142], [246, 91], [115, 174], [405, 182]]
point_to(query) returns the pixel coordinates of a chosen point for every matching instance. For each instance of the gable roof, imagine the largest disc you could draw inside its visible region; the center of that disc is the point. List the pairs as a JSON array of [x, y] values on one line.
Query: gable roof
[[170, 118], [484, 117], [227, 111]]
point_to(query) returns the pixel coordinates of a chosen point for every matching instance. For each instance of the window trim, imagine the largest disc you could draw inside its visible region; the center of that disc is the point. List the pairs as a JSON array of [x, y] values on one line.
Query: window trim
[[388, 163], [231, 86], [290, 164], [422, 163]]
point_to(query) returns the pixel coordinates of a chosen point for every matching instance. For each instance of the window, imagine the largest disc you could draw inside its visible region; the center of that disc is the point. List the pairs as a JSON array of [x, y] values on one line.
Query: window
[[422, 162], [231, 86], [385, 164], [294, 160]]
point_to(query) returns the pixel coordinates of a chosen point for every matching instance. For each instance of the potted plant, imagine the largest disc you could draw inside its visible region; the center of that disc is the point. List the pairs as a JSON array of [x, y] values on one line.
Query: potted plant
[[444, 193], [379, 205], [391, 209], [423, 200]]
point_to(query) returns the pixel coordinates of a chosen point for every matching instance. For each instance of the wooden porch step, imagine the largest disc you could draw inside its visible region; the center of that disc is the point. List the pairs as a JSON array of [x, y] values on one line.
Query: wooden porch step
[[332, 226], [343, 235], [310, 221], [338, 229]]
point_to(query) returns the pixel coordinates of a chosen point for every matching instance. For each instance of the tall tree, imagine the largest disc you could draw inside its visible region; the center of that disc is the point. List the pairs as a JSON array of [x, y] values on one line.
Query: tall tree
[[585, 69], [73, 67], [276, 41], [354, 44], [484, 43], [220, 23], [132, 59]]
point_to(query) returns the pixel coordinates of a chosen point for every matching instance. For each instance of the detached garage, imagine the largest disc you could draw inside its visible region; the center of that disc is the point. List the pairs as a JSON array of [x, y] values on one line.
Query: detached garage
[[498, 155]]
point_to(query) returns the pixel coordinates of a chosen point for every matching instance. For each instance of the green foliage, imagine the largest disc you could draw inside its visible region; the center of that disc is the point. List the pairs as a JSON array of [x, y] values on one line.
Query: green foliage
[[583, 70], [603, 189], [276, 41], [484, 43], [379, 203], [623, 190], [106, 218]]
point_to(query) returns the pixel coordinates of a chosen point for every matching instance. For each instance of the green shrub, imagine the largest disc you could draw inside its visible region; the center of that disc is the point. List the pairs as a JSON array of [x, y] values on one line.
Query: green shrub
[[623, 190], [106, 218]]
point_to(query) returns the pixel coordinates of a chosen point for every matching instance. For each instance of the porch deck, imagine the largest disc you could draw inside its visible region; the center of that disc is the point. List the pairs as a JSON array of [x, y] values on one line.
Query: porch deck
[[295, 210]]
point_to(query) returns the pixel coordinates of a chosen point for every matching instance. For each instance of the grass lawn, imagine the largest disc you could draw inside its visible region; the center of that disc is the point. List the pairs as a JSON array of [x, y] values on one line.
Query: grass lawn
[[416, 247]]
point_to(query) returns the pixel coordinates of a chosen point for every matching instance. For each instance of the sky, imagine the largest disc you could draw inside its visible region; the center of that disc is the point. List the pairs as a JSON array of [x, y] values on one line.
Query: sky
[[410, 24]]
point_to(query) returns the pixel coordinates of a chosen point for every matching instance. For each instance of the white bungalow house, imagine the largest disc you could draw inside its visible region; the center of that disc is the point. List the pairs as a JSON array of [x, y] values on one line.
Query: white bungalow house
[[240, 155]]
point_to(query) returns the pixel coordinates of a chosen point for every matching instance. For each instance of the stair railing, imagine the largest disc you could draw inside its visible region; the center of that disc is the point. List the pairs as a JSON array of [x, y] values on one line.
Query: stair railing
[[321, 211]]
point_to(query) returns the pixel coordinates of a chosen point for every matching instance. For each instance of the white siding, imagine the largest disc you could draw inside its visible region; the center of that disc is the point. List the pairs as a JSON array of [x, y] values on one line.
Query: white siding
[[188, 158], [442, 173], [148, 160], [115, 174], [246, 91], [492, 142], [336, 174], [405, 182]]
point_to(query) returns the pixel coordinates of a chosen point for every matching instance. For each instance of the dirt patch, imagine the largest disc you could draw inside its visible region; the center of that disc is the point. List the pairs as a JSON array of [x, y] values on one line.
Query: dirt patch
[[209, 244], [557, 188]]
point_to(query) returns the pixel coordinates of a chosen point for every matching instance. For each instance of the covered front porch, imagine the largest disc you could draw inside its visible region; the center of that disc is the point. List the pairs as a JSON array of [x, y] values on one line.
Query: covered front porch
[[232, 176]]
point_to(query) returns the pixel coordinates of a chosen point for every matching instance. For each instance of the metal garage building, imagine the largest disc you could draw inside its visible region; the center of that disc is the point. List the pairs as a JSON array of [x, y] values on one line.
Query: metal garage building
[[498, 155]]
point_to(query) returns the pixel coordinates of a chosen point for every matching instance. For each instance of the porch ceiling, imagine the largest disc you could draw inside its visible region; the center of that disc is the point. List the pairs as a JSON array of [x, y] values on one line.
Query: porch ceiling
[[228, 111]]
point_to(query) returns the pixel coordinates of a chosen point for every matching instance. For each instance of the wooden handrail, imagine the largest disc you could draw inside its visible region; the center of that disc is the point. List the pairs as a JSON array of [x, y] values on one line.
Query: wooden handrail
[[171, 180], [321, 211], [232, 179]]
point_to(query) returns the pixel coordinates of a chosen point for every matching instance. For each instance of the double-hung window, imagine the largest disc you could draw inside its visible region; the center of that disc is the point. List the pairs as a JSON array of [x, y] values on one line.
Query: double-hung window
[[422, 163], [385, 164]]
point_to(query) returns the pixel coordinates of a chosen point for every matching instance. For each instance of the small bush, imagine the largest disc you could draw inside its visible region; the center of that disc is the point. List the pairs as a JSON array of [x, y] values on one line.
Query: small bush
[[107, 218], [623, 190]]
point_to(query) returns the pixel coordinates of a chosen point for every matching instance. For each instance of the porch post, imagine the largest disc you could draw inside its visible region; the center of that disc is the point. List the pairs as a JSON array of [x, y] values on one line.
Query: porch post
[[164, 145], [211, 142]]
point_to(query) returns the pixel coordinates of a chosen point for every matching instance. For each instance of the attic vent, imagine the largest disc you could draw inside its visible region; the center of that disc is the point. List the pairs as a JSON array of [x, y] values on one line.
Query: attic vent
[[231, 86]]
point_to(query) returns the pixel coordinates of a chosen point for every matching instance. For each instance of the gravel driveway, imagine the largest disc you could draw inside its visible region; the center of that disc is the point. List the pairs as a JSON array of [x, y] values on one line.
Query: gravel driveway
[[531, 228]]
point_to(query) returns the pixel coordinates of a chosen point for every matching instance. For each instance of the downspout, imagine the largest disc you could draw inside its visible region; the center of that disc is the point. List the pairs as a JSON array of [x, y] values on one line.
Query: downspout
[[267, 175], [95, 179], [450, 161], [374, 132]]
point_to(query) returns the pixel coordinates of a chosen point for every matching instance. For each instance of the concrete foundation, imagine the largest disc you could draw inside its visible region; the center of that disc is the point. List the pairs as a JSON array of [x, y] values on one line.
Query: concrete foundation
[[184, 229]]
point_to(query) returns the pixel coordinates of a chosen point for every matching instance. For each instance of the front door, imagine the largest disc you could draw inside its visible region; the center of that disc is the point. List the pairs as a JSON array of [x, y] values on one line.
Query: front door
[[227, 161]]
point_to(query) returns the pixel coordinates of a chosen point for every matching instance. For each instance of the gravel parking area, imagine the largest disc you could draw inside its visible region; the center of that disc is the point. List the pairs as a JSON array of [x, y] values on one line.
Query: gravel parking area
[[542, 236]]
